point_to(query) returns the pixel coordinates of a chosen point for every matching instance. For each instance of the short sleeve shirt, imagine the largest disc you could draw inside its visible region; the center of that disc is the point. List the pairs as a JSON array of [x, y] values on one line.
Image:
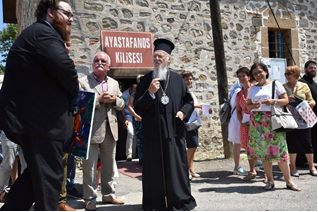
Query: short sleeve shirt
[[260, 93]]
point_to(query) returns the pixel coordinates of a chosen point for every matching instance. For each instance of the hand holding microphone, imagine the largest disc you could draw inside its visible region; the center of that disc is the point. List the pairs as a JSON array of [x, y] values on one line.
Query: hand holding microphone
[[154, 86]]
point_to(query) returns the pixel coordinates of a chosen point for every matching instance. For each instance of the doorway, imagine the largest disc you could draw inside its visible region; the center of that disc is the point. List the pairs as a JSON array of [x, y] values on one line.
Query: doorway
[[124, 84]]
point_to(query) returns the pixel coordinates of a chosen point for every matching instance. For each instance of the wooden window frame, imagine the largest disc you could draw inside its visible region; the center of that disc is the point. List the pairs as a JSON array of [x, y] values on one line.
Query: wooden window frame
[[273, 44]]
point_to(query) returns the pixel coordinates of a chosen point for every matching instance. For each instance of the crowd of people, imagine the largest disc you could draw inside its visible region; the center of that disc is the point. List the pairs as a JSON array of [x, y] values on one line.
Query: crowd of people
[[36, 122], [254, 101]]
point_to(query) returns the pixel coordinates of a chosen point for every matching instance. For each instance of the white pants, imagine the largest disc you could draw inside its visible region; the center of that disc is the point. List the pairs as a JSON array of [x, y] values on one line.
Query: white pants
[[130, 136], [9, 152]]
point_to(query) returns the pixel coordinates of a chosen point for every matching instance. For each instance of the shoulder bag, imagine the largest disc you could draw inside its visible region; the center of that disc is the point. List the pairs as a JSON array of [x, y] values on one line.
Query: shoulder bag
[[282, 120], [225, 113], [191, 126]]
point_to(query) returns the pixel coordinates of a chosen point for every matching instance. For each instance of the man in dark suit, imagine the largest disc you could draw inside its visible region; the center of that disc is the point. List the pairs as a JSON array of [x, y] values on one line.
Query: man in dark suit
[[39, 83], [310, 70]]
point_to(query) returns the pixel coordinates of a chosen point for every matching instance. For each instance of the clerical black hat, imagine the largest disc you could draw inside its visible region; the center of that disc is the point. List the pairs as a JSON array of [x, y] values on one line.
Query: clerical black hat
[[163, 44]]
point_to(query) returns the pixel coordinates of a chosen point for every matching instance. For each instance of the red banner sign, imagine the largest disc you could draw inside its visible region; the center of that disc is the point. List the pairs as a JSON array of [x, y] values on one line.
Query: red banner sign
[[131, 50]]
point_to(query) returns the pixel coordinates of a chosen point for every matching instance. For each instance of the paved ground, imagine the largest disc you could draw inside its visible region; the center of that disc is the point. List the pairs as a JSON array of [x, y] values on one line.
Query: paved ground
[[219, 190]]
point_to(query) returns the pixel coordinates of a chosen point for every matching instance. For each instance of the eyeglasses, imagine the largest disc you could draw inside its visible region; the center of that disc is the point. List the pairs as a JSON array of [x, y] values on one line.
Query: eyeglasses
[[67, 13], [102, 61], [257, 73], [288, 74]]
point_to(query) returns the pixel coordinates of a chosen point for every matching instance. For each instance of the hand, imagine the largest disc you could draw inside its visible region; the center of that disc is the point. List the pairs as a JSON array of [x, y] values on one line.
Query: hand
[[256, 104], [126, 124], [245, 125], [154, 86], [107, 98], [138, 118], [268, 102], [291, 98], [180, 115], [311, 104]]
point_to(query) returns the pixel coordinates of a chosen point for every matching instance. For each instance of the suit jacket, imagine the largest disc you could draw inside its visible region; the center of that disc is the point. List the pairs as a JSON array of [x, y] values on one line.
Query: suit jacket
[[150, 109], [103, 111], [39, 83]]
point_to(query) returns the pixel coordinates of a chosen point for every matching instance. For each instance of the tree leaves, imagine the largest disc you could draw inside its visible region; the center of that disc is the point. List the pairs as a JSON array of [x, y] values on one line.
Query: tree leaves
[[7, 37]]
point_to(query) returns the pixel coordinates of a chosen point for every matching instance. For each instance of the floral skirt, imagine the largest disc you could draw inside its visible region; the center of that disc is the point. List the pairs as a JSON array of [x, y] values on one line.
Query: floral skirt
[[265, 144]]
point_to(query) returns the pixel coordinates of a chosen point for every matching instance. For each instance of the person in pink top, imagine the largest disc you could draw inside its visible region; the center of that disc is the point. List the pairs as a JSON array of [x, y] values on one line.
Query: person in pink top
[[243, 74]]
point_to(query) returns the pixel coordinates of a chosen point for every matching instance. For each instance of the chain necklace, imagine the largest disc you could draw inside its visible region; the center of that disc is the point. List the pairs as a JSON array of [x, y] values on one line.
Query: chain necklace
[[165, 98]]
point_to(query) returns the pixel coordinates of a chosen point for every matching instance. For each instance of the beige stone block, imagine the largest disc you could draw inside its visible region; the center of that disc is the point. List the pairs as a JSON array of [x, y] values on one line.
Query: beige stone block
[[264, 36], [283, 23], [294, 41], [295, 53], [265, 52]]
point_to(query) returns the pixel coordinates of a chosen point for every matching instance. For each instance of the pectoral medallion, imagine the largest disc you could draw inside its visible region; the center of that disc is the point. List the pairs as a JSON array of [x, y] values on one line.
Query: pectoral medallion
[[164, 99]]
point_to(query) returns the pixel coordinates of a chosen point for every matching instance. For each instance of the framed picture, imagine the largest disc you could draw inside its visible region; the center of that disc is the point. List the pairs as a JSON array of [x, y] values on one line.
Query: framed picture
[[83, 108]]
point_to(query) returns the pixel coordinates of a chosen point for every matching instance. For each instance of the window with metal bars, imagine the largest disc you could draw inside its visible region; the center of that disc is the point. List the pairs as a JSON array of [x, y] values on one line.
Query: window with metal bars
[[278, 40]]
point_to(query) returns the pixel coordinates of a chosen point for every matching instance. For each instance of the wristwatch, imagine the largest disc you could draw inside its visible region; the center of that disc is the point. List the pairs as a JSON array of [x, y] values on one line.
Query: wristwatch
[[275, 101]]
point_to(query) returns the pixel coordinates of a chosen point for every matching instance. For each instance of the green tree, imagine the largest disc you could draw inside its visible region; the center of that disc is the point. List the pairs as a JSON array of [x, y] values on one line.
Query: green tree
[[7, 37]]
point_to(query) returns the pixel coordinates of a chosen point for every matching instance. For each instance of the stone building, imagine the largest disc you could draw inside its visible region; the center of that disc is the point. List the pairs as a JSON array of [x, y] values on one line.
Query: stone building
[[250, 32]]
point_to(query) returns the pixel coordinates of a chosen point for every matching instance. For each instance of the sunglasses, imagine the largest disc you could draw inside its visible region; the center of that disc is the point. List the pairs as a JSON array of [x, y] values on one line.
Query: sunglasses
[[67, 13], [287, 74], [102, 61]]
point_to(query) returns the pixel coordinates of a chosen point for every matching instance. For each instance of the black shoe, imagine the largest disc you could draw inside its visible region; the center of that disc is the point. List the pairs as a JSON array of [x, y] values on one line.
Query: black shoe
[[74, 193]]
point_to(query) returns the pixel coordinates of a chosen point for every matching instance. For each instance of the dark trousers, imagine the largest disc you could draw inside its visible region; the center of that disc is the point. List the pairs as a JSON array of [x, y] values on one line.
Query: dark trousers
[[139, 138], [41, 181], [301, 159], [314, 141]]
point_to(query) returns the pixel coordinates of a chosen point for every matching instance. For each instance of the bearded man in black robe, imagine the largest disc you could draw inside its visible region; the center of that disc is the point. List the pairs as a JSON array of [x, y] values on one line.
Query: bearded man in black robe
[[164, 102]]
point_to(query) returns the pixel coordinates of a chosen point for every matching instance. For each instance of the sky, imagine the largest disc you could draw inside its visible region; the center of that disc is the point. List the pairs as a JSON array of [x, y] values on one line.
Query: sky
[[1, 20], [1, 16]]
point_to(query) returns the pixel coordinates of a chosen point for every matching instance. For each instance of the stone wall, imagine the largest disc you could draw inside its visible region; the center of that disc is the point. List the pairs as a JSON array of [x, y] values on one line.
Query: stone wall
[[188, 24]]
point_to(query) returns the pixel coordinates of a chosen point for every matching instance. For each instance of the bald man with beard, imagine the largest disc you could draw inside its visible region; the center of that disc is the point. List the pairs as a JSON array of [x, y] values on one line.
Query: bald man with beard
[[35, 105]]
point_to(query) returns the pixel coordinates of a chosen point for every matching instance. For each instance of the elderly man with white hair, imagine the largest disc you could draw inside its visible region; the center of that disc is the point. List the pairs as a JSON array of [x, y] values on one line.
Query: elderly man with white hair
[[104, 132], [164, 103]]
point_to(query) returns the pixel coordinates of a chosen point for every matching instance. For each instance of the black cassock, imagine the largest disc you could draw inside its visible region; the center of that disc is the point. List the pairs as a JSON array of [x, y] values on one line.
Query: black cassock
[[173, 144]]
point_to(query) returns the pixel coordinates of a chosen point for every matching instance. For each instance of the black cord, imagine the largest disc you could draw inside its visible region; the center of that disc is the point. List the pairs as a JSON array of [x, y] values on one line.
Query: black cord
[[291, 55], [161, 150]]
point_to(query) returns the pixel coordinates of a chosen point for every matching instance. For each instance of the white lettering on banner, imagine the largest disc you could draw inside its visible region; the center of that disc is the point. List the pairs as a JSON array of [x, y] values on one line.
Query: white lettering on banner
[[126, 42], [128, 57]]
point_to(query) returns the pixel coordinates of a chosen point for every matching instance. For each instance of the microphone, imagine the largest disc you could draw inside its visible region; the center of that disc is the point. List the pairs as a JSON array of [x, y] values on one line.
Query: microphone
[[162, 82]]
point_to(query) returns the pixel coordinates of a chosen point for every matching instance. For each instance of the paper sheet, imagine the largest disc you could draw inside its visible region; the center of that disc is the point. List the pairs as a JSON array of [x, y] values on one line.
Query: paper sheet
[[195, 116], [205, 109], [246, 118]]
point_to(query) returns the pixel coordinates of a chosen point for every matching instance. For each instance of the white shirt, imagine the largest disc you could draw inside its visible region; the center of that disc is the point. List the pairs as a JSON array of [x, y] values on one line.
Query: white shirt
[[234, 124], [265, 92]]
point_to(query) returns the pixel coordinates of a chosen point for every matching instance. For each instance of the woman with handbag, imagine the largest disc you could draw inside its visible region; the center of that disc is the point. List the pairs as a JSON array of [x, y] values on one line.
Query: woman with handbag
[[192, 138], [234, 130], [266, 144], [299, 140]]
